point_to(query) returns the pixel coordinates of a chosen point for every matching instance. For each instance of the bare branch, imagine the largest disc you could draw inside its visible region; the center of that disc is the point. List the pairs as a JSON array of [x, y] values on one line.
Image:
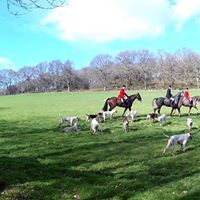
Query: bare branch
[[20, 7]]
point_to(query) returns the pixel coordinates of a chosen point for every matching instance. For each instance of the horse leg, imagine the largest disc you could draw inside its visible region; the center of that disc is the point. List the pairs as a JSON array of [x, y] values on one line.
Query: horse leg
[[179, 111], [154, 110], [196, 108], [111, 107], [172, 110], [189, 110], [124, 112], [157, 109]]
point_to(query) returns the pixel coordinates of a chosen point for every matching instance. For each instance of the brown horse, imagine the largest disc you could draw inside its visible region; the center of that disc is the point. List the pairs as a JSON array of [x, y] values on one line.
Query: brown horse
[[112, 102], [191, 105]]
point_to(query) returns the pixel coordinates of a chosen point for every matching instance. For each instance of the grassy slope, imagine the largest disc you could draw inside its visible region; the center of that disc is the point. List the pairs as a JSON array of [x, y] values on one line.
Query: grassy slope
[[38, 161]]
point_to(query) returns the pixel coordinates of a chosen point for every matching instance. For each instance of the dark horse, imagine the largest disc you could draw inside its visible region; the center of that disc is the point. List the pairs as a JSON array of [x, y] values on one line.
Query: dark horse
[[157, 103], [112, 102]]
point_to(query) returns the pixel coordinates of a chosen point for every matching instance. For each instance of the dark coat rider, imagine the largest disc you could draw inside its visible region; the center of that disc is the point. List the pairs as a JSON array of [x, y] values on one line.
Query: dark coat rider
[[169, 92]]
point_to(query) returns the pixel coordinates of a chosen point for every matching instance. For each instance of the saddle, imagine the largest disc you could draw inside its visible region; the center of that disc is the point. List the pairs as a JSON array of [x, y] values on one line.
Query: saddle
[[191, 103], [124, 103]]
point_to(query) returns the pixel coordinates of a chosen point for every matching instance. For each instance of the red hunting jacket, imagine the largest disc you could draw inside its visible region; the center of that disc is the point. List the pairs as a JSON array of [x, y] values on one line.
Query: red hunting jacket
[[121, 93], [187, 95]]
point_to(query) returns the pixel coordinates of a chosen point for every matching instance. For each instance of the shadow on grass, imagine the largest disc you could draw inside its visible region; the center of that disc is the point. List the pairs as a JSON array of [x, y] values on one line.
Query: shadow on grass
[[191, 196], [103, 183], [4, 108], [95, 168]]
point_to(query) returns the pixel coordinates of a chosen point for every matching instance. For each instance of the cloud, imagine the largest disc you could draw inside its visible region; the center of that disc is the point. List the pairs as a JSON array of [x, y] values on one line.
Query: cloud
[[6, 63], [184, 10], [108, 20]]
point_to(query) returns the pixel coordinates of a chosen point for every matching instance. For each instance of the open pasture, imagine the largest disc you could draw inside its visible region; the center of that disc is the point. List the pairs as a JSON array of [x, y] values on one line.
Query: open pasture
[[39, 161]]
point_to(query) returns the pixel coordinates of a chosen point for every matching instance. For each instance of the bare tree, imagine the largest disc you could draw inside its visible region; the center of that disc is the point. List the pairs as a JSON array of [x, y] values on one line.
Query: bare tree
[[102, 63], [68, 75], [146, 62], [195, 68], [189, 65], [55, 72], [26, 75], [165, 68], [183, 66], [137, 69], [127, 62], [18, 7], [42, 78], [8, 79]]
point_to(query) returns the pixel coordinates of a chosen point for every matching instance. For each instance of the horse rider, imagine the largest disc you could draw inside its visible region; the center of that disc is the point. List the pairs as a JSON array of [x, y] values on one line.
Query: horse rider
[[169, 94], [177, 97], [187, 96], [122, 94]]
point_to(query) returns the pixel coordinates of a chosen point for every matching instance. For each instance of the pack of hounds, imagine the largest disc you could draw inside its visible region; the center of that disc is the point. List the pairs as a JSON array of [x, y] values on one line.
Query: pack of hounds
[[96, 120]]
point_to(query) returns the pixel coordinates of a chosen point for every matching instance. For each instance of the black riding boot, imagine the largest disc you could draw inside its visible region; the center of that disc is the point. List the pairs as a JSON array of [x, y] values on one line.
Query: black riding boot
[[126, 101], [172, 102], [190, 103]]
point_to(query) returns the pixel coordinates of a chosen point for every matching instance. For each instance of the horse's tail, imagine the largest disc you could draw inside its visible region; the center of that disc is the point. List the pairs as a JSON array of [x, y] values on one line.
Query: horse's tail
[[105, 107]]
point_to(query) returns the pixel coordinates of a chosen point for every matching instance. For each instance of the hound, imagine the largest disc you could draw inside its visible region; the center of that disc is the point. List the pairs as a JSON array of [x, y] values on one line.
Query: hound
[[71, 120], [108, 114], [181, 139], [125, 124], [162, 119], [189, 123], [92, 116], [95, 125], [133, 115], [73, 128], [152, 116]]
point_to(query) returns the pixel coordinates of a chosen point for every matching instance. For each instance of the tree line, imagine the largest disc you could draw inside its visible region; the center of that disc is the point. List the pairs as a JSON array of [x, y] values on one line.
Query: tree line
[[138, 69]]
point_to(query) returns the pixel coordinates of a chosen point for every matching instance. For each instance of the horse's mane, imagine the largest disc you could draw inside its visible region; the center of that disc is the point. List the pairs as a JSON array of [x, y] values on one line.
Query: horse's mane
[[134, 94]]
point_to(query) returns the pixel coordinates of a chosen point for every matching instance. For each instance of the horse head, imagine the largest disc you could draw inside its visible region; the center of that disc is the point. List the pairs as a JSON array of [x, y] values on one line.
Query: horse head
[[135, 96], [139, 98], [179, 95]]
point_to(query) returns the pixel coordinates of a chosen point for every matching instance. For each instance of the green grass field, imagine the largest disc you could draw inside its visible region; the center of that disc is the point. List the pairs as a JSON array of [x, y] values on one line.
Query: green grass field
[[38, 161]]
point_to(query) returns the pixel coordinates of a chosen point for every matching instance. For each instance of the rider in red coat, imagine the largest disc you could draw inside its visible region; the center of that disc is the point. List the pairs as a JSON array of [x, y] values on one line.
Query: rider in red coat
[[187, 96], [122, 94]]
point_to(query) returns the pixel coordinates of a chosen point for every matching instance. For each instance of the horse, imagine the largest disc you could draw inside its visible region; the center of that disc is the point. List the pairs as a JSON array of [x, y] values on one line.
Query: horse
[[112, 102], [193, 103], [158, 102]]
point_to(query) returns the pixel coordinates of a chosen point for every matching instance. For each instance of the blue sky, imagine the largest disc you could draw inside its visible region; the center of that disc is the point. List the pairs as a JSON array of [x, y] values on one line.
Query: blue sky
[[84, 29]]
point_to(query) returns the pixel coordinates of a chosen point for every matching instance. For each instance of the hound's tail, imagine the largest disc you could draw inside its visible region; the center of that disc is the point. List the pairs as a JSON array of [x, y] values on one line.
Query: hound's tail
[[105, 107], [167, 136]]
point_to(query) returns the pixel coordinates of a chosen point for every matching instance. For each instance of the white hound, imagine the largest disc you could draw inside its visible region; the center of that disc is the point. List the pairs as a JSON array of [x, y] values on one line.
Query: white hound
[[95, 125], [108, 114], [71, 120], [181, 139], [189, 123]]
